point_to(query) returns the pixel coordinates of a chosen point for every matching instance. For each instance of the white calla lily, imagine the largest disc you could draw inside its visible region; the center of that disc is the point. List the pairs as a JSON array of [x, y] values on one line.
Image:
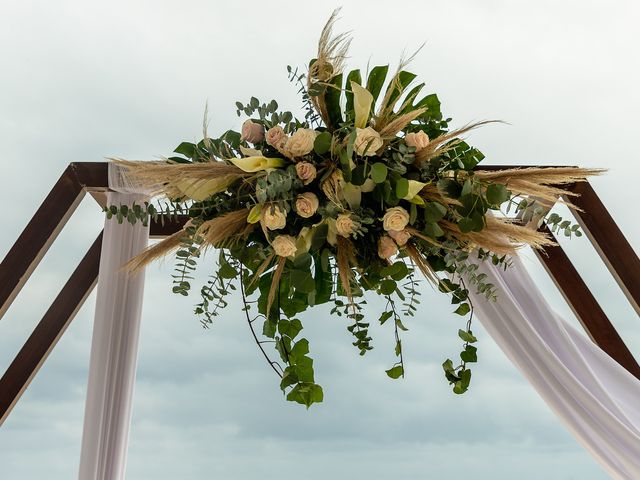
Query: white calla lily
[[255, 214], [250, 152], [352, 194], [256, 163], [303, 242], [414, 189], [362, 101]]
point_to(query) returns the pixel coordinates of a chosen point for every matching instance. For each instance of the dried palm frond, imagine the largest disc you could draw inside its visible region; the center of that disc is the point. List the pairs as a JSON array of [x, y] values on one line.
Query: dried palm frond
[[163, 178], [332, 187], [345, 260], [445, 142], [262, 268], [277, 275], [154, 252], [432, 193], [385, 114], [397, 124], [332, 52], [421, 262], [501, 235], [538, 182], [225, 230], [422, 236]]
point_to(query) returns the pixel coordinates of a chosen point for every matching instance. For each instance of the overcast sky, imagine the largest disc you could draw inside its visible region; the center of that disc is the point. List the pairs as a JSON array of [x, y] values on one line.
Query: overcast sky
[[84, 80]]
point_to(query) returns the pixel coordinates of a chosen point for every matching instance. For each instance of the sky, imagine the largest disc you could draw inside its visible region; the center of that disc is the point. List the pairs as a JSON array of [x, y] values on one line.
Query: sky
[[85, 80]]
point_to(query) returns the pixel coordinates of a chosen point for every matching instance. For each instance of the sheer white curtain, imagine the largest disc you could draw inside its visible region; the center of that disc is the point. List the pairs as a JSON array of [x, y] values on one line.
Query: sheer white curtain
[[114, 347], [595, 398]]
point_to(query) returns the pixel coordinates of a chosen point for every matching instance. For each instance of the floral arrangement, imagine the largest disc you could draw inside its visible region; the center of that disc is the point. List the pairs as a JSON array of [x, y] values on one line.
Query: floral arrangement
[[369, 191]]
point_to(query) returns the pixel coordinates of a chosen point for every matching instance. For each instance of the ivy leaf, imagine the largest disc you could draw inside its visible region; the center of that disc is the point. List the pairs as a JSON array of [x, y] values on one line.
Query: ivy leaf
[[299, 350], [303, 281], [467, 336], [463, 309], [289, 378], [304, 369], [469, 354], [306, 393], [395, 372], [462, 385]]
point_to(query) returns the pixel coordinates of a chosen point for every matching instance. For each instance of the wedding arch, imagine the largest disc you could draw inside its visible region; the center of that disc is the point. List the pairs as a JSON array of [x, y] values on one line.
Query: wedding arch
[[84, 178], [369, 189]]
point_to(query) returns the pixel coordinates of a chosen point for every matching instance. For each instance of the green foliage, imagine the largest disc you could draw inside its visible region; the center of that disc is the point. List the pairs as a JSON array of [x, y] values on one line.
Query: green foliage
[[350, 184]]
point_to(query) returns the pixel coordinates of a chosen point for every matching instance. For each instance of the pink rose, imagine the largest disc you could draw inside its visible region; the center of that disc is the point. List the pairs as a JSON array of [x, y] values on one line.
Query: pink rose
[[417, 140], [345, 225], [307, 204], [387, 248], [252, 132], [306, 172], [401, 237], [395, 218], [276, 137]]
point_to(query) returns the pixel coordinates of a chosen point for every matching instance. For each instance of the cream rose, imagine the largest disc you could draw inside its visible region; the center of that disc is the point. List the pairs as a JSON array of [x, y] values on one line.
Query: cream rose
[[387, 248], [307, 204], [345, 225], [252, 132], [284, 245], [395, 218], [401, 237], [306, 172], [273, 218], [300, 143], [367, 139], [417, 140], [276, 137]]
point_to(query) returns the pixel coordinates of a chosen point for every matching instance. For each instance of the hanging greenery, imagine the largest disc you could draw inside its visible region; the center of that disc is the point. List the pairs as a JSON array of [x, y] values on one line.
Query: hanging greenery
[[370, 192]]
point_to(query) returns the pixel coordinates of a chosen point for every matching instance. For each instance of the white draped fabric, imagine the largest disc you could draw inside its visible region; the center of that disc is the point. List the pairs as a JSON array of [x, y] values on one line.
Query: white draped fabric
[[593, 396], [114, 347]]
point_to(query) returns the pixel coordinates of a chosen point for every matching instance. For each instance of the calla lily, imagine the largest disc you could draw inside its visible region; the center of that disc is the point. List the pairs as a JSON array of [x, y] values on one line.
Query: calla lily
[[256, 163], [352, 194], [200, 190], [362, 101], [255, 214], [303, 242], [414, 190], [368, 186], [250, 152]]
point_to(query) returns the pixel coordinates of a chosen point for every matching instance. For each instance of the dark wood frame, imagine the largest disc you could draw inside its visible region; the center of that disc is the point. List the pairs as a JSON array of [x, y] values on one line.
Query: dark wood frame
[[81, 178]]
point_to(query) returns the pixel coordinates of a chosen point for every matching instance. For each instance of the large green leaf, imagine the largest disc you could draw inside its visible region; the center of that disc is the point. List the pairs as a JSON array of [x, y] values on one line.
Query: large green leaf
[[376, 79], [332, 100], [354, 76]]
